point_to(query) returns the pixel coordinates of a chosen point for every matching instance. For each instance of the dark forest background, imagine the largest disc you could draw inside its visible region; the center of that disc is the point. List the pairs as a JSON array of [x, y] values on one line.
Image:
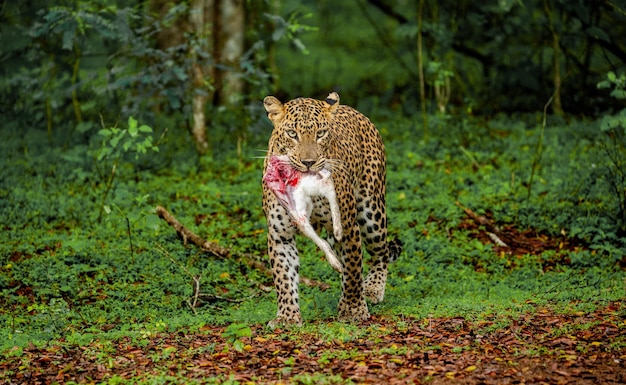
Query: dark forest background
[[196, 65]]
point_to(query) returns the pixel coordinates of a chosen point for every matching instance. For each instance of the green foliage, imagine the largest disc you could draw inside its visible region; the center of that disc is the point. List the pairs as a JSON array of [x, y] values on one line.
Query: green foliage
[[118, 142], [116, 145], [66, 67], [291, 28], [613, 141], [618, 83], [337, 331], [233, 334], [501, 54], [74, 23]]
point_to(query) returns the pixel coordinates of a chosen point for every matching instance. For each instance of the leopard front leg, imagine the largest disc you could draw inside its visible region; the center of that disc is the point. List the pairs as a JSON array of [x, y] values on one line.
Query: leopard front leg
[[284, 262]]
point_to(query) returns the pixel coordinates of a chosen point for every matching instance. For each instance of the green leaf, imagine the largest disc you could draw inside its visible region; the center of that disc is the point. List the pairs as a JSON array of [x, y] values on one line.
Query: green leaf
[[132, 122], [238, 345], [122, 194], [147, 143], [116, 140], [611, 76], [141, 199], [69, 37], [236, 330], [83, 127], [153, 221], [144, 128], [609, 123], [619, 94], [88, 106], [597, 33], [105, 132], [105, 152], [278, 33]]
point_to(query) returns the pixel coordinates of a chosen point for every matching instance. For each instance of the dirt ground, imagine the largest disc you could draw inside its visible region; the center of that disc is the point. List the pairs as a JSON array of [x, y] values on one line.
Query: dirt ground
[[538, 348]]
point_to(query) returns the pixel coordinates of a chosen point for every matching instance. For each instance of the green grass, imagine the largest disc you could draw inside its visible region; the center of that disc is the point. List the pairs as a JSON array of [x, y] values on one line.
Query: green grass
[[67, 278]]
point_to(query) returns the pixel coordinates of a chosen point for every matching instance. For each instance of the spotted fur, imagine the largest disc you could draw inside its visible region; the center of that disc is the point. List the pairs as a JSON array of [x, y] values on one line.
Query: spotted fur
[[325, 135]]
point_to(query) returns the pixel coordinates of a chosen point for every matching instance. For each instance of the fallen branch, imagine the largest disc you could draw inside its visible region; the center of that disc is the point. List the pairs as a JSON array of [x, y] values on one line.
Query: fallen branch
[[480, 220], [496, 239], [497, 236], [222, 252], [187, 235], [494, 233]]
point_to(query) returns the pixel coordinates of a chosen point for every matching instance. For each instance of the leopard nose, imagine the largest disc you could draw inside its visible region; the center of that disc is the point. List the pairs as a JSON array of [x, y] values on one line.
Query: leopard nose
[[308, 163]]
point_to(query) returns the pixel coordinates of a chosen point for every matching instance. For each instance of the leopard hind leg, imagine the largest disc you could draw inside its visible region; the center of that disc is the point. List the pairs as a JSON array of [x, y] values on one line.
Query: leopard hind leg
[[373, 224]]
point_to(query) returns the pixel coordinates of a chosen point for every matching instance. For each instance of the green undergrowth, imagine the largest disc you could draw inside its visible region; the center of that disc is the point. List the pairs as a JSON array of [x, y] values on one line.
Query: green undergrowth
[[70, 275]]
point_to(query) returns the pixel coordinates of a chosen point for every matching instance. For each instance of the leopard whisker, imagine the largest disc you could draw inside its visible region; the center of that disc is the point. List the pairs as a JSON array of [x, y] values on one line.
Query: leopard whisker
[[335, 165]]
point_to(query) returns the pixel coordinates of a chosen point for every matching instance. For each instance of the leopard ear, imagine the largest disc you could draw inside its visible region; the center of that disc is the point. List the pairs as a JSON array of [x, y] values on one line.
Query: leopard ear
[[274, 108], [333, 101]]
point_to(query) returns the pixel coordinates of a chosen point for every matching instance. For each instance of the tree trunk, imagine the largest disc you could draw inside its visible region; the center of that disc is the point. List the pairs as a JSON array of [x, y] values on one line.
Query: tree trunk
[[230, 34], [174, 35], [200, 13], [217, 29], [557, 107], [420, 67], [170, 35]]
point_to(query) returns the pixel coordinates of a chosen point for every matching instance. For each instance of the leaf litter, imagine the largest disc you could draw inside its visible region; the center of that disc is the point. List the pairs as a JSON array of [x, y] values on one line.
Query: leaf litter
[[539, 347]]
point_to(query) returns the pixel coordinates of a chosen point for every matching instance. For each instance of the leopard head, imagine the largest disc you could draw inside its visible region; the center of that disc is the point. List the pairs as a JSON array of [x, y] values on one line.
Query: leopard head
[[303, 130]]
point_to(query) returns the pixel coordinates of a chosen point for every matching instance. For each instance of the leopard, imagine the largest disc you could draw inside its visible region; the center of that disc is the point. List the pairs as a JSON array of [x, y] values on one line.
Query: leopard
[[320, 135]]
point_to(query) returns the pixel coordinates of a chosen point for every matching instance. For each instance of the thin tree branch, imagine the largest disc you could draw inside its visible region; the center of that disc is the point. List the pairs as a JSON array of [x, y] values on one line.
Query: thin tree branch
[[387, 10], [382, 36], [457, 45], [539, 149]]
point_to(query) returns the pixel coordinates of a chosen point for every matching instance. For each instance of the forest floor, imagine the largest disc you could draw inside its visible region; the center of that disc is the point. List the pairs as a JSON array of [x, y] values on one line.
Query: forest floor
[[496, 285], [544, 346], [538, 348]]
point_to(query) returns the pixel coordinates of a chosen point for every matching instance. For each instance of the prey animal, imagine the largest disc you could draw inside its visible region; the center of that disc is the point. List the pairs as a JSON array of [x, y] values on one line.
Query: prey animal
[[295, 191]]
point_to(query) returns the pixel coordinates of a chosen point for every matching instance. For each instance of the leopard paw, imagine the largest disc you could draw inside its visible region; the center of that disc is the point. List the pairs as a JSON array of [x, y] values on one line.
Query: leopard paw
[[353, 312], [374, 286], [284, 321]]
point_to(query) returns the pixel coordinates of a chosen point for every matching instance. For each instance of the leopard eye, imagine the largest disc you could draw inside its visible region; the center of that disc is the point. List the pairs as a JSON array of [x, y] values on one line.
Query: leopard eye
[[292, 134], [321, 134]]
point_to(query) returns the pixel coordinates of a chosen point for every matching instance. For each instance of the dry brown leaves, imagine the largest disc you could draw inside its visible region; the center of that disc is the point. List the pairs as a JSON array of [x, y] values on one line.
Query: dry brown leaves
[[535, 348]]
